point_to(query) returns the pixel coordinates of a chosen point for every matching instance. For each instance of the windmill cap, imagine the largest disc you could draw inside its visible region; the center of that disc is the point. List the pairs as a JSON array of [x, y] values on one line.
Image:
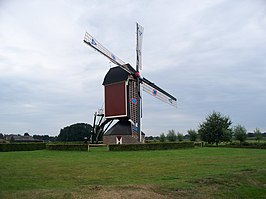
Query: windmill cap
[[137, 74]]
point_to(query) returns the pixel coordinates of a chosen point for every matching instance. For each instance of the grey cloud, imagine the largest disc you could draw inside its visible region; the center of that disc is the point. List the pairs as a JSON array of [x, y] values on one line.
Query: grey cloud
[[209, 54]]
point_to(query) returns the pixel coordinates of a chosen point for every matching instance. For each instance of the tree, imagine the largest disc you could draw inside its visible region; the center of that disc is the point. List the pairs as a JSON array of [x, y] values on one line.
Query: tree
[[192, 135], [75, 132], [1, 136], [240, 133], [180, 137], [26, 134], [257, 134], [227, 135], [213, 128], [171, 136], [162, 137]]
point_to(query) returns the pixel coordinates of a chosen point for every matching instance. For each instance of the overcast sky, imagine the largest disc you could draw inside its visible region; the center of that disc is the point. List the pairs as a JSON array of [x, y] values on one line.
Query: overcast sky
[[210, 54]]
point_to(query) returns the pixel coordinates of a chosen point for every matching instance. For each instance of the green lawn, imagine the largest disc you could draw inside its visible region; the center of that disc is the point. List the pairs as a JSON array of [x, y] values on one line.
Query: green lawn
[[187, 173]]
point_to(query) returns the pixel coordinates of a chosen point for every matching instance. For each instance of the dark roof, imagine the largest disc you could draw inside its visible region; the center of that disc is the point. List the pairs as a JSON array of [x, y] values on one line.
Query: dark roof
[[122, 127], [20, 138], [118, 74], [130, 68]]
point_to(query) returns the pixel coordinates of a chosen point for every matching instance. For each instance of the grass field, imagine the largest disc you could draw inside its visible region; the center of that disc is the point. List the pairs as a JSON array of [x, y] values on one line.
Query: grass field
[[188, 173]]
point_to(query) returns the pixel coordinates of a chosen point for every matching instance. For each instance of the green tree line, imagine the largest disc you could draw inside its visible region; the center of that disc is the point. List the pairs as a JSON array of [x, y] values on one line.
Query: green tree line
[[214, 129], [75, 132]]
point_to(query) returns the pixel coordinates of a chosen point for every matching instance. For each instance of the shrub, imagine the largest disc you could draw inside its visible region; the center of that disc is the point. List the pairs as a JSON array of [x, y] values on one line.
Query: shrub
[[162, 137], [21, 146], [67, 147], [192, 134], [171, 136], [240, 133], [258, 134], [227, 135], [153, 146], [249, 145], [253, 145], [180, 137]]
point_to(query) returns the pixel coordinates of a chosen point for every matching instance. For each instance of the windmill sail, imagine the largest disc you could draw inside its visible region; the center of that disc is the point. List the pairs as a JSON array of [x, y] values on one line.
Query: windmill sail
[[157, 92], [91, 41], [140, 30]]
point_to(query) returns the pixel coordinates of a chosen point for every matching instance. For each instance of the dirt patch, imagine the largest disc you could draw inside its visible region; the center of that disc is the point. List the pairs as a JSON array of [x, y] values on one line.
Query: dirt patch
[[132, 191], [95, 192]]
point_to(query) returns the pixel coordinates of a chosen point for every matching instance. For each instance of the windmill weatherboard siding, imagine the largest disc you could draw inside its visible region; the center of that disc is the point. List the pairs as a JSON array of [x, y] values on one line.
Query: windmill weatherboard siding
[[115, 100]]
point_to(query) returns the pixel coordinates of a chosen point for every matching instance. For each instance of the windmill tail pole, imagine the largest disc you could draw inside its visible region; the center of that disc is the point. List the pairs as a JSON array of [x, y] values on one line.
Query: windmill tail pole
[[138, 67], [139, 105], [138, 84], [93, 128]]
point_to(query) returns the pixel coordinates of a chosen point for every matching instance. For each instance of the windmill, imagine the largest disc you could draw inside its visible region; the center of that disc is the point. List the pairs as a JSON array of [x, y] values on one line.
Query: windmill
[[122, 86]]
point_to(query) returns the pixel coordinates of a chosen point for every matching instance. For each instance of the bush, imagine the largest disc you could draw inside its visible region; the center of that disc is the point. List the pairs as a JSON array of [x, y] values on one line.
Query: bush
[[240, 133], [171, 136], [22, 146], [67, 147], [153, 146], [192, 134], [180, 137], [162, 138], [258, 134], [254, 145]]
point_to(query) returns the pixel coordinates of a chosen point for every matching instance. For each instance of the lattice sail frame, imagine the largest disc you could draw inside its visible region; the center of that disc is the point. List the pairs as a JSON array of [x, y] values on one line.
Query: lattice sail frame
[[90, 40], [159, 95]]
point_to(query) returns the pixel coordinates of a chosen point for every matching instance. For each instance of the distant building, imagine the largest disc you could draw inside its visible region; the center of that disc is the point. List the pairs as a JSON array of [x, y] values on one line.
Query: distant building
[[20, 138], [2, 141]]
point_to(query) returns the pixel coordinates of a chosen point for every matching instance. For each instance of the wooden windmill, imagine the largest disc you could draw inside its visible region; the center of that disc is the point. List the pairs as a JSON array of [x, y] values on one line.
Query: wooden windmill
[[122, 96]]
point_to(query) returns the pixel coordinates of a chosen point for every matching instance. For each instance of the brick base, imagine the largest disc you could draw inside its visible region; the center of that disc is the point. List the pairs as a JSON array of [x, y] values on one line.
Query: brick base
[[126, 139]]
